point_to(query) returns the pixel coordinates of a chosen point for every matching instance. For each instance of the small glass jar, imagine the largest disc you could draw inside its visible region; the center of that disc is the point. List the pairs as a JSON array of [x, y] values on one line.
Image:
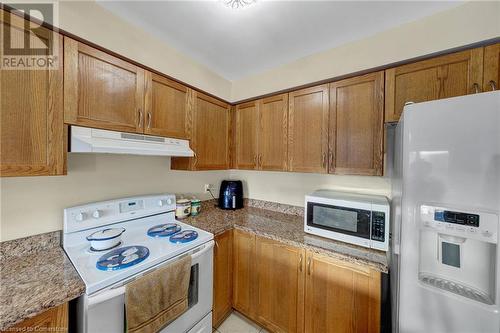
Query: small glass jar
[[195, 207], [183, 208]]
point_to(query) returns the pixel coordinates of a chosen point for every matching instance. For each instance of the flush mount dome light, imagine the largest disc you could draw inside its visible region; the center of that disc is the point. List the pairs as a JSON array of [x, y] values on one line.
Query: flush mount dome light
[[237, 4]]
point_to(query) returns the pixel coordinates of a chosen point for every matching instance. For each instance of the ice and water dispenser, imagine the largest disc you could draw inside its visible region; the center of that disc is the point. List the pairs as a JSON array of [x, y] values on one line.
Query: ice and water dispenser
[[458, 252]]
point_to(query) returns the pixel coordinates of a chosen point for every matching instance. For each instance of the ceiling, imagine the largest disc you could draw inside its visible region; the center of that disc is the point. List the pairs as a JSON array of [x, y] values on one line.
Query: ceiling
[[236, 43]]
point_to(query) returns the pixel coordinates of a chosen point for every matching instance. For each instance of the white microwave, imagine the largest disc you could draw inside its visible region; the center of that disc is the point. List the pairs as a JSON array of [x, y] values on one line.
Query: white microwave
[[348, 217]]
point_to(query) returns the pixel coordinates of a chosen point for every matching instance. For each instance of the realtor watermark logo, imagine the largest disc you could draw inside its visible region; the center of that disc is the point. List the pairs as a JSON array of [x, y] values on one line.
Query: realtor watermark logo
[[26, 45]]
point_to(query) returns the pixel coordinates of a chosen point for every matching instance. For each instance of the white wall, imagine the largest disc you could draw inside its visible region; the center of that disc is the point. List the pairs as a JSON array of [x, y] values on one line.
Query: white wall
[[291, 187], [469, 23], [33, 205]]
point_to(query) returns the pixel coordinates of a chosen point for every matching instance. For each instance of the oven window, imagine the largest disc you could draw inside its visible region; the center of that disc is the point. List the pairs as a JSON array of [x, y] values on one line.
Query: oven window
[[349, 221]]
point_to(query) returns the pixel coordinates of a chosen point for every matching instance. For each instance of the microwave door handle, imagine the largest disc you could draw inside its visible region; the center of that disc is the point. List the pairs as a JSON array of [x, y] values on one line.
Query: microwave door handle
[[105, 296]]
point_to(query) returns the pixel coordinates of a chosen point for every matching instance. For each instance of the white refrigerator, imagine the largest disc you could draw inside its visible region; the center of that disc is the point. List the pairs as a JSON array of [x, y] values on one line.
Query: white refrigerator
[[445, 208]]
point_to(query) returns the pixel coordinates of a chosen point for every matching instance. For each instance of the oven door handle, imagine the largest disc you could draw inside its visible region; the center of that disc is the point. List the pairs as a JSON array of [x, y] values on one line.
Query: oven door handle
[[105, 296]]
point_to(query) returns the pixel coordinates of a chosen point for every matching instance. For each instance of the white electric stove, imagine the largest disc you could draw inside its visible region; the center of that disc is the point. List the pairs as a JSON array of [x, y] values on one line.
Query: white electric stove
[[107, 272]]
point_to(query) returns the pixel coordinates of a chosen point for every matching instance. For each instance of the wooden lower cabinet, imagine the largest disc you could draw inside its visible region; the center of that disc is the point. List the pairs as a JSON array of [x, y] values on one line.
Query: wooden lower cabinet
[[223, 277], [280, 281], [340, 297], [289, 289], [244, 273], [52, 320]]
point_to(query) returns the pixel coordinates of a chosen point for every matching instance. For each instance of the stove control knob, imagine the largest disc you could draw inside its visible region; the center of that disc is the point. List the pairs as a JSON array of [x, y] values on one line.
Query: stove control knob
[[80, 217], [96, 214], [160, 203], [169, 201]]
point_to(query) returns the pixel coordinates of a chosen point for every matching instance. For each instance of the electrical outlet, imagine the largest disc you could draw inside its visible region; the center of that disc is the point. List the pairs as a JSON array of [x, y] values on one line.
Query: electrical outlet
[[208, 187]]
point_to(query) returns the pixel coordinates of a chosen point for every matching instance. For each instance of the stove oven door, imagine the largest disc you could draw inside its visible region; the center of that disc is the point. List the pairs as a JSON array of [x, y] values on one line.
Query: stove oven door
[[105, 311]]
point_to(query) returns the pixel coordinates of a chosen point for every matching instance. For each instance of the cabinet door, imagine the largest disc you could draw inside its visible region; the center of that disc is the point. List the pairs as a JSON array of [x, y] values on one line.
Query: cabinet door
[[491, 67], [52, 320], [357, 125], [211, 133], [223, 277], [308, 130], [340, 297], [100, 90], [166, 106], [31, 108], [273, 124], [246, 135], [280, 304], [441, 77], [244, 277]]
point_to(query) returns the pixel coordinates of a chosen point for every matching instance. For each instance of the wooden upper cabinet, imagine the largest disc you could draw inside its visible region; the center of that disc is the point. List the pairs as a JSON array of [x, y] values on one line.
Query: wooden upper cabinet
[[102, 91], [244, 275], [166, 107], [246, 135], [340, 297], [210, 137], [357, 125], [31, 108], [491, 67], [223, 277], [273, 133], [308, 129], [280, 273], [447, 76]]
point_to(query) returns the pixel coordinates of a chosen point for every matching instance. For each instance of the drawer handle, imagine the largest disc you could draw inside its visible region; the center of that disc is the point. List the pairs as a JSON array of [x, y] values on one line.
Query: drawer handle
[[493, 85], [476, 88]]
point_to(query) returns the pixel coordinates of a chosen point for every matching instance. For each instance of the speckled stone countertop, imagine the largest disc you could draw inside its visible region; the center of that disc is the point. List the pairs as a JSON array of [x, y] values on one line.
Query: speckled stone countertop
[[35, 275], [284, 227]]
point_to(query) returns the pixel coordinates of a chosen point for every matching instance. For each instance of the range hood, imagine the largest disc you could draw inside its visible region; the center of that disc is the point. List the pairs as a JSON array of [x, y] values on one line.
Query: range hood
[[92, 140]]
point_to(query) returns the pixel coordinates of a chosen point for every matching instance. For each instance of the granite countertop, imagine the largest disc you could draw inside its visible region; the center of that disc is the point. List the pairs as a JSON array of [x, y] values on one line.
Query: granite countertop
[[284, 224], [35, 275]]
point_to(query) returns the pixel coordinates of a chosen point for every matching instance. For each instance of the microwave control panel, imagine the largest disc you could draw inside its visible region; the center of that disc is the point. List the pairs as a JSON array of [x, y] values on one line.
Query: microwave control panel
[[378, 226], [457, 222]]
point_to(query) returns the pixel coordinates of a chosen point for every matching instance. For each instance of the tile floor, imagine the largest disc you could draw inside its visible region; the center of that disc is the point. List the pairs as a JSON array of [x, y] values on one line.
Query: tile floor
[[237, 323]]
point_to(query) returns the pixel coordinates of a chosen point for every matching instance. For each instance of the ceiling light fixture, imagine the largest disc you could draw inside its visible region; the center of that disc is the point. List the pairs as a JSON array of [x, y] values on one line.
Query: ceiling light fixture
[[237, 4]]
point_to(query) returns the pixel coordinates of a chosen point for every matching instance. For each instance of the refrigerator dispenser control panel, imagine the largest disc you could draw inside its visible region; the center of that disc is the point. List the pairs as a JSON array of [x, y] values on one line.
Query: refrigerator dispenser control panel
[[464, 223]]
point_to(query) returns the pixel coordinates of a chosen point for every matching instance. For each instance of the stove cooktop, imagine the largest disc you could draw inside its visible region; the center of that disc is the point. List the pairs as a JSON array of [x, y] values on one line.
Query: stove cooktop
[[160, 248]]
